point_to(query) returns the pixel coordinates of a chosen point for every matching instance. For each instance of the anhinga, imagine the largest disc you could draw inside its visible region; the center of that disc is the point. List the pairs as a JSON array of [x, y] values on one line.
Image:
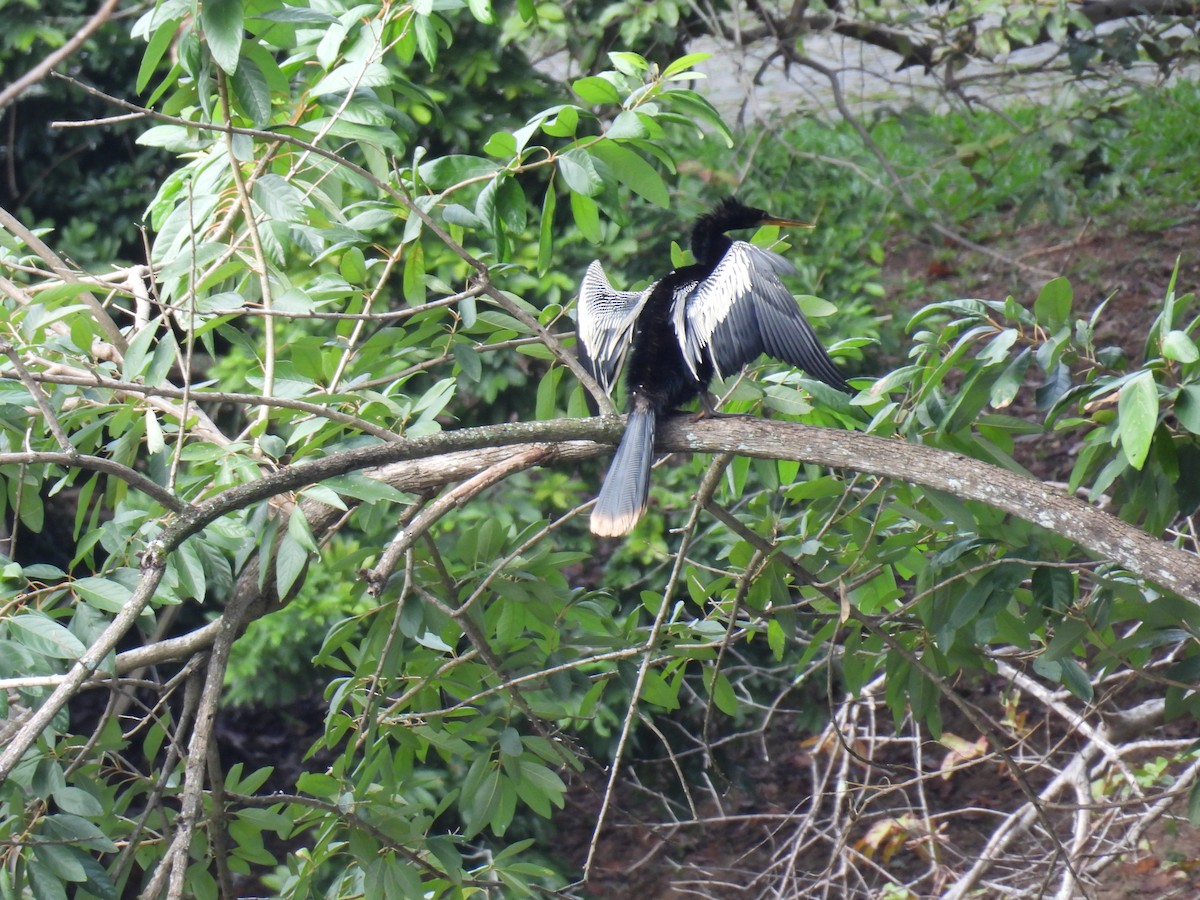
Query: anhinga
[[701, 320]]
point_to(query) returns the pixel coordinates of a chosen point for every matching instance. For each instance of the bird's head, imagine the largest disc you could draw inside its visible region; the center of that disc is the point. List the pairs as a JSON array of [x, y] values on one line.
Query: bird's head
[[708, 241]]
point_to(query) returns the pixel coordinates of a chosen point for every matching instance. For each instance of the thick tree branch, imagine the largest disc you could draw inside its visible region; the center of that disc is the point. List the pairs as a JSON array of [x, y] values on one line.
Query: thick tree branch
[[1101, 534], [1095, 531]]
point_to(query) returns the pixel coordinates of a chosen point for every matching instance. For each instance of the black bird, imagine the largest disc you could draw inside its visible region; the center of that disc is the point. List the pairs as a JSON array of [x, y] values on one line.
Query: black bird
[[709, 318]]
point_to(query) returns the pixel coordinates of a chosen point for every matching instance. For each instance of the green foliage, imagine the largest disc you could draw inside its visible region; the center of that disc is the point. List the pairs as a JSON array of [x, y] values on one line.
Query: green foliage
[[371, 219]]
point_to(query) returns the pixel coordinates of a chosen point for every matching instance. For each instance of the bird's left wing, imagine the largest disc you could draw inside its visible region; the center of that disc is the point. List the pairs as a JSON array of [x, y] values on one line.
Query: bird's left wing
[[605, 318], [742, 310]]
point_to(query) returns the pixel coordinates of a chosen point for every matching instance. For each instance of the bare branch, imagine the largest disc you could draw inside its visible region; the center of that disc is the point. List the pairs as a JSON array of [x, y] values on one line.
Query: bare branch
[[43, 68]]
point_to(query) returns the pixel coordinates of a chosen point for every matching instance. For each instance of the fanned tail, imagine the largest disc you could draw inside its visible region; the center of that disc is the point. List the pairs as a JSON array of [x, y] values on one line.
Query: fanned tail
[[626, 488]]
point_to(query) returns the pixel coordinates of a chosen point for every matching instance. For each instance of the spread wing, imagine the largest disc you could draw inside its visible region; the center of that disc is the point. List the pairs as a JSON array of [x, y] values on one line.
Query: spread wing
[[605, 318], [742, 310]]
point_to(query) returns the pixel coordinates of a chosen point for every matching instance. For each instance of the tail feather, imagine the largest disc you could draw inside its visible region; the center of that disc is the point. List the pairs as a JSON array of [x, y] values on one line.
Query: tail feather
[[626, 488]]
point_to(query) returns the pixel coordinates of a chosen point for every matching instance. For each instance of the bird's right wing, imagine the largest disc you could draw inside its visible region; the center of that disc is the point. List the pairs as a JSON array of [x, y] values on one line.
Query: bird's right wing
[[742, 310], [605, 319]]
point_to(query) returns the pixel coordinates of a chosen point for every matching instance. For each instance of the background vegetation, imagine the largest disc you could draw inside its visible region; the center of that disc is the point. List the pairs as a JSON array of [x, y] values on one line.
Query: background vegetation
[[297, 599]]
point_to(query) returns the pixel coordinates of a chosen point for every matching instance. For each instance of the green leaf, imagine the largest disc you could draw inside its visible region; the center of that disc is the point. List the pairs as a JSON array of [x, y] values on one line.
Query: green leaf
[[468, 360], [251, 92], [596, 90], [633, 171], [318, 784], [502, 145], [684, 63], [563, 124], [61, 860], [1075, 679], [632, 64], [543, 783], [815, 307], [1004, 388], [510, 742], [189, 571], [103, 594], [1178, 346], [352, 76], [1194, 804], [390, 876], [292, 557], [222, 24], [481, 10], [547, 394], [447, 171], [43, 635], [353, 266], [1053, 588], [721, 691], [628, 125], [414, 275], [656, 690], [1053, 305], [161, 38], [776, 639], [546, 232], [587, 216], [137, 354], [1187, 407], [698, 110], [1137, 417], [77, 801], [579, 173]]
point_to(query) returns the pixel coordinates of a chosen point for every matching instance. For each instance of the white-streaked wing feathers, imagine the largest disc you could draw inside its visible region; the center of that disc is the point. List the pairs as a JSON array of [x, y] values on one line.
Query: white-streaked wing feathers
[[741, 311], [605, 318]]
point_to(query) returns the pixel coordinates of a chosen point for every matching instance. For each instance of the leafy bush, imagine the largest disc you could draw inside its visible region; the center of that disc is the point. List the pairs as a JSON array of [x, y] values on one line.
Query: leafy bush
[[329, 409]]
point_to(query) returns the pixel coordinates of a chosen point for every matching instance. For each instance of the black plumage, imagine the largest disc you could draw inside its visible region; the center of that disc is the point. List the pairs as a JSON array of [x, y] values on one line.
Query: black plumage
[[702, 320]]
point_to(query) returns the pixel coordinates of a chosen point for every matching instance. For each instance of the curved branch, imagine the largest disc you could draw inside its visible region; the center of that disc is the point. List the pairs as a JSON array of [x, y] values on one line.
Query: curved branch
[[1097, 532], [131, 477], [42, 69], [1103, 535]]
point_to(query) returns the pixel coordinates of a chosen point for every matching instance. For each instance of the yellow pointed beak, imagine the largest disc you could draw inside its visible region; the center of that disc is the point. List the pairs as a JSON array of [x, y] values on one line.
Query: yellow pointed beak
[[793, 223]]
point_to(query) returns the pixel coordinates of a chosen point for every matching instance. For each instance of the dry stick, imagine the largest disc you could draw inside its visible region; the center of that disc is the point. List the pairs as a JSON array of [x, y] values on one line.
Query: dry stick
[[74, 460], [1075, 721], [708, 485], [976, 716], [13, 225], [1182, 785], [153, 568], [43, 68], [191, 698], [218, 827], [377, 577], [191, 804], [200, 396], [260, 258], [512, 308]]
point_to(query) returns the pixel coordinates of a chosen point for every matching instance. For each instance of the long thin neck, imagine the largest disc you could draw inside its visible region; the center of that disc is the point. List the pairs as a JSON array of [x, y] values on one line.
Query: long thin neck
[[709, 244]]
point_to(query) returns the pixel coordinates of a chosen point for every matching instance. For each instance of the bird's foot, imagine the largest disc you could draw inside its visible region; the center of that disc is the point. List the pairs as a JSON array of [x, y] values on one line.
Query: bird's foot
[[708, 411]]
